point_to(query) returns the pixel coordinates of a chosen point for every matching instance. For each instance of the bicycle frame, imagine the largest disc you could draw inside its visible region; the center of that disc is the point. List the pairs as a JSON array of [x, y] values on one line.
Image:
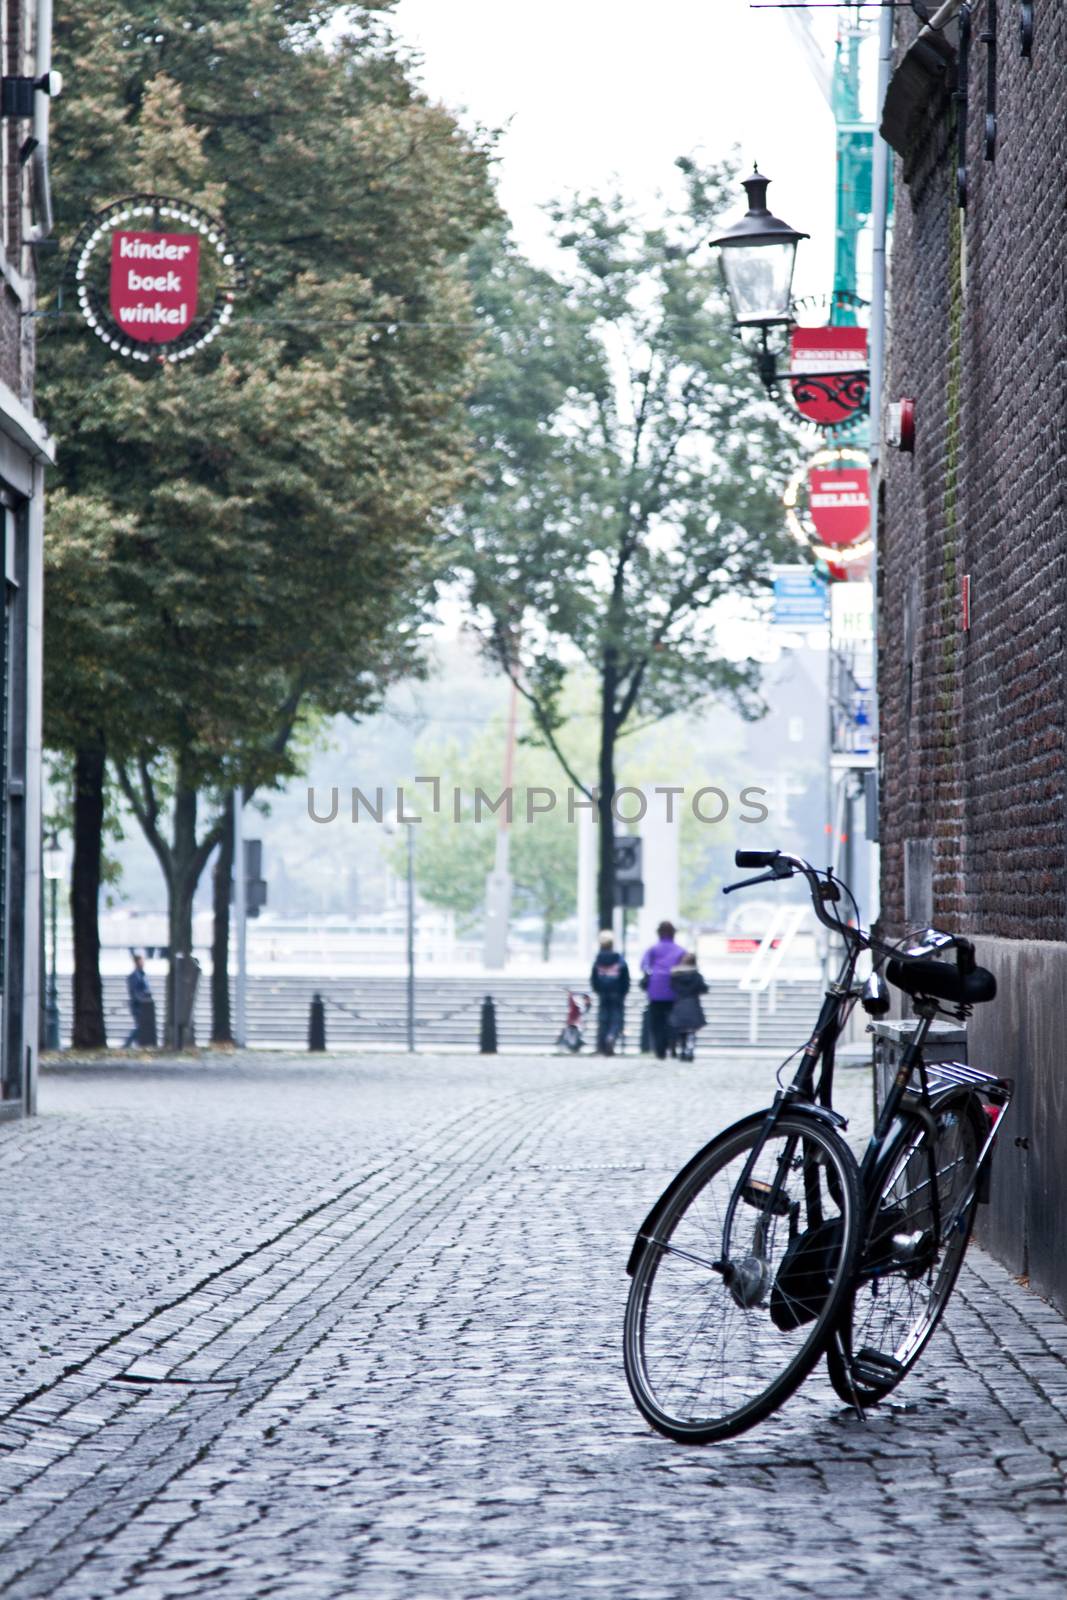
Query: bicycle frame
[[819, 1056]]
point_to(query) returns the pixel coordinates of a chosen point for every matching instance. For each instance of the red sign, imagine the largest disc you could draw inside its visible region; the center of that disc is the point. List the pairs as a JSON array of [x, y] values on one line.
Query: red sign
[[840, 503], [154, 283], [828, 372]]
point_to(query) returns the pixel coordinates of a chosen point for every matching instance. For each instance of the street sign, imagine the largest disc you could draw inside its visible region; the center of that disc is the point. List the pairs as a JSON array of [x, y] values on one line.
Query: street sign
[[628, 859], [800, 598], [629, 890]]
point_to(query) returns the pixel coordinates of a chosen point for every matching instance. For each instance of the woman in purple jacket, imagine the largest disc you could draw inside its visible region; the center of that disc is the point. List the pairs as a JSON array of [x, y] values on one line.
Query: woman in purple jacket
[[657, 962]]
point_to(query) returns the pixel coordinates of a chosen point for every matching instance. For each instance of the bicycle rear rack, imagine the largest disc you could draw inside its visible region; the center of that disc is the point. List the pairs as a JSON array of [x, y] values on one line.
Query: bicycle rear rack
[[950, 1074], [995, 1093]]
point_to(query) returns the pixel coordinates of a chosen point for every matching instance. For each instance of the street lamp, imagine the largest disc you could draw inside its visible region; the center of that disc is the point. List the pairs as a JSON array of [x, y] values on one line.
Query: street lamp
[[392, 824], [757, 255], [54, 868]]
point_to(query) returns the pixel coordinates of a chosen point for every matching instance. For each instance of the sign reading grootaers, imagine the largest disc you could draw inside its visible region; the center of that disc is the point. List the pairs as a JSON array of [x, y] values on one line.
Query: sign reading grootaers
[[154, 283], [155, 278]]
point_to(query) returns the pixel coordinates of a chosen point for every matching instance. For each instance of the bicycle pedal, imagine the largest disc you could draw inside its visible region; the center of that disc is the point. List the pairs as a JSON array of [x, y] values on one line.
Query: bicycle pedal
[[757, 1193], [876, 1370]]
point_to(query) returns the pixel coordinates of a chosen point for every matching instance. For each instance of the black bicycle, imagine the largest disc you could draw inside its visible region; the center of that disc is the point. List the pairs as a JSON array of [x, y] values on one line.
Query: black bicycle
[[772, 1246]]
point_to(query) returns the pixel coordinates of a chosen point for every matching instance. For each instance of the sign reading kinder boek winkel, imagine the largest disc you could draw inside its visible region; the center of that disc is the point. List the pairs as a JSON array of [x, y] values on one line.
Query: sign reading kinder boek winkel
[[154, 283], [155, 277]]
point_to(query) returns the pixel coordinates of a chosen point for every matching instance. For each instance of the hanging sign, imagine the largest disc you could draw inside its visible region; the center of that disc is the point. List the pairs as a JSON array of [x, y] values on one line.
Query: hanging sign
[[828, 373], [840, 503], [828, 508], [155, 278]]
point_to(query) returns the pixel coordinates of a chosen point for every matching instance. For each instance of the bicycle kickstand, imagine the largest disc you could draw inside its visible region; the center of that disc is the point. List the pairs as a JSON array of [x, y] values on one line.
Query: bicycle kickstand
[[857, 1404]]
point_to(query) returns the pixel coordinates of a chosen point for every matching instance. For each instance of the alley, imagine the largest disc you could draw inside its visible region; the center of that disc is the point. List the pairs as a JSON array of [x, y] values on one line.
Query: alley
[[294, 1327]]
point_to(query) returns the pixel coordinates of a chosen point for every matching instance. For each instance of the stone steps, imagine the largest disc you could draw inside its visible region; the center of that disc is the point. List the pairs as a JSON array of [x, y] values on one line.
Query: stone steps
[[371, 1010]]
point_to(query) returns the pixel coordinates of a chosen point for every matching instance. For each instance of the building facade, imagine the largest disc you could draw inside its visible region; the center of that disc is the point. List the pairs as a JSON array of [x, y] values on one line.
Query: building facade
[[25, 451], [973, 561]]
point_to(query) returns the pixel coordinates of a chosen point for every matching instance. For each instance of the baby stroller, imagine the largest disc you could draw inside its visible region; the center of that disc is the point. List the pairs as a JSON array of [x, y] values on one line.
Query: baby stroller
[[570, 1035]]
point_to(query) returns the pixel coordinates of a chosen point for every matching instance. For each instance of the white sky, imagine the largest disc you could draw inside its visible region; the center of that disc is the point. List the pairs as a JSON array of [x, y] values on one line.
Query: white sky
[[593, 89]]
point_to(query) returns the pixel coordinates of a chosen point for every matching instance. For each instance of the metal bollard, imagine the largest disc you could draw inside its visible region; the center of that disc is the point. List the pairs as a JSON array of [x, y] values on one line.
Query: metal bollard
[[317, 1024], [487, 1028], [146, 1024]]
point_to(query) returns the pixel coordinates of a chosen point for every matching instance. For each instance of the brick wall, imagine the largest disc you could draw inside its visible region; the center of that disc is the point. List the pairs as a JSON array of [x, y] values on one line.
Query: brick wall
[[973, 724]]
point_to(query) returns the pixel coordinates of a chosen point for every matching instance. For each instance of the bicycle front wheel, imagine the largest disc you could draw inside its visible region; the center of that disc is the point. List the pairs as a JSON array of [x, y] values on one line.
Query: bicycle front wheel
[[720, 1330], [920, 1226]]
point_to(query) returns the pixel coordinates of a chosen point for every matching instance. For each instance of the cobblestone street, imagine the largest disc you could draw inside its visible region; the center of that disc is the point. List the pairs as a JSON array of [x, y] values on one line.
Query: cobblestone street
[[336, 1327]]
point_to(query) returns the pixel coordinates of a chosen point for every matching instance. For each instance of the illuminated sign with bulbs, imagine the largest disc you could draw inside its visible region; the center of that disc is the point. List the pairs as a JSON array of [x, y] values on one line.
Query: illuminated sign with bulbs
[[155, 278]]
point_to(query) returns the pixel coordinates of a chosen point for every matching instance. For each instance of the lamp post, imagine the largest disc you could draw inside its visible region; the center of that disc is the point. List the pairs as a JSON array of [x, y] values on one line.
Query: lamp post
[[392, 825], [54, 867]]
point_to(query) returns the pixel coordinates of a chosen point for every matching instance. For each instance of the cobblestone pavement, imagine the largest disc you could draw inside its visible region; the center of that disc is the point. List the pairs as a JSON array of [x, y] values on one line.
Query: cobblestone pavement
[[331, 1328]]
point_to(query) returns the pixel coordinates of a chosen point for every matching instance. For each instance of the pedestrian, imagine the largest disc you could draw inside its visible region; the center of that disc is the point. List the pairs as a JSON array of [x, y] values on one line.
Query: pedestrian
[[657, 964], [610, 980], [687, 1014], [138, 990]]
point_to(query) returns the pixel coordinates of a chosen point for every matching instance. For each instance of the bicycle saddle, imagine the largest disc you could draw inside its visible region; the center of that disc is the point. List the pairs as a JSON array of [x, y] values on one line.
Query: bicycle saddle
[[940, 980]]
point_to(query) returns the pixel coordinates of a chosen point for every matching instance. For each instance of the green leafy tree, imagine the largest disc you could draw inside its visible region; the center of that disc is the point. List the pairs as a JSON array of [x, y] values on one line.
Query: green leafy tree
[[630, 476], [269, 507], [453, 859]]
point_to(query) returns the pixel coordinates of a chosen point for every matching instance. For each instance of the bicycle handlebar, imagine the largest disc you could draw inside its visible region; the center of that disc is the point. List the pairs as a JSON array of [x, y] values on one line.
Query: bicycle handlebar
[[822, 886]]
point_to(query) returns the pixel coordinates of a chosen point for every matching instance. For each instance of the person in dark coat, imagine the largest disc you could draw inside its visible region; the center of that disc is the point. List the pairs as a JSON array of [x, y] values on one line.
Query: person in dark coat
[[138, 991], [657, 963], [687, 1014], [610, 980]]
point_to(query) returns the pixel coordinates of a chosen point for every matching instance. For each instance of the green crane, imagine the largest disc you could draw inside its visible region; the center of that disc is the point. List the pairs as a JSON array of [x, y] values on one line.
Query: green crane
[[840, 83]]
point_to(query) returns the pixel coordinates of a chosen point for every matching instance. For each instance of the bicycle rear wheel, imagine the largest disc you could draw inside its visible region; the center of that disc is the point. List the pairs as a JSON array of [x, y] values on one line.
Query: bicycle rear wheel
[[719, 1333], [912, 1253]]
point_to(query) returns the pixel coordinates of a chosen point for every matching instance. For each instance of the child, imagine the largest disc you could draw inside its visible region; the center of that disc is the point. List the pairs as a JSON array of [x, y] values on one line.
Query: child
[[687, 1014]]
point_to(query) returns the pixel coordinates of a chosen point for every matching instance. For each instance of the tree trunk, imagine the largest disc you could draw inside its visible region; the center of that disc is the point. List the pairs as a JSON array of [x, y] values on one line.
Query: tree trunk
[[185, 873], [547, 930], [606, 789], [89, 775], [221, 1025]]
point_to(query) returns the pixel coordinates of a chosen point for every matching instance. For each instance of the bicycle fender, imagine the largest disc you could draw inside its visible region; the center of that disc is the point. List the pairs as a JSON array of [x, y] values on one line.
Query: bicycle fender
[[648, 1226]]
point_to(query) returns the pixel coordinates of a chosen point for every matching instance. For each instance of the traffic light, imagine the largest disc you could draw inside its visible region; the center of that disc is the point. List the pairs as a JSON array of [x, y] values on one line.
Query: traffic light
[[255, 883]]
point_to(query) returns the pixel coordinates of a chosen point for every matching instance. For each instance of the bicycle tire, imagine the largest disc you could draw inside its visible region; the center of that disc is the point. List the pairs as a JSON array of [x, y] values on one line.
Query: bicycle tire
[[680, 1308], [901, 1291]]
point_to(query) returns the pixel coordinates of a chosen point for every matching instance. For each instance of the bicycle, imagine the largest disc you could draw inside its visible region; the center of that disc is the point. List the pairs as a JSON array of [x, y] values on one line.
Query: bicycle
[[773, 1246]]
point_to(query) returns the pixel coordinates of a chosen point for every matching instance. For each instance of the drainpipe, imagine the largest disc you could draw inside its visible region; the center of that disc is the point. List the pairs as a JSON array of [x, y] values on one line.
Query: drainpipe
[[880, 223], [41, 205]]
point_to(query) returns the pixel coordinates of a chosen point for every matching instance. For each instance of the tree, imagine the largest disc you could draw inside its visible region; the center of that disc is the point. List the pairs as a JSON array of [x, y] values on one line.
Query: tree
[[630, 476], [99, 644], [453, 859], [276, 498]]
